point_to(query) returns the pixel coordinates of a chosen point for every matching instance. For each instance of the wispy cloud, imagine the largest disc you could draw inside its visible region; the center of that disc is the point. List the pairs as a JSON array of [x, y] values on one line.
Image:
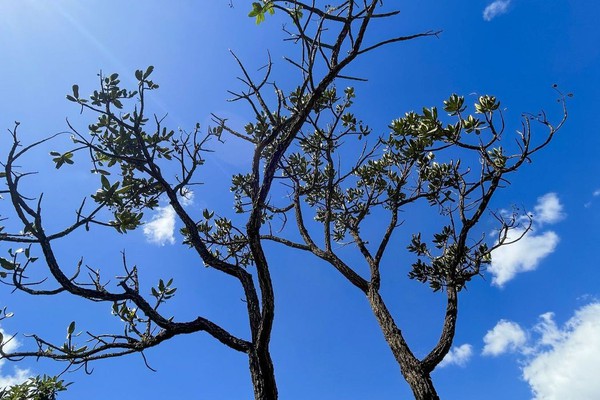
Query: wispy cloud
[[506, 336], [160, 229], [495, 9], [458, 356], [19, 375], [561, 363], [526, 253]]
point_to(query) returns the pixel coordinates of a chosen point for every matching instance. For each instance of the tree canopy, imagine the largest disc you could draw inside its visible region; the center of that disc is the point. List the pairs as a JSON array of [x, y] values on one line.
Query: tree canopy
[[319, 182]]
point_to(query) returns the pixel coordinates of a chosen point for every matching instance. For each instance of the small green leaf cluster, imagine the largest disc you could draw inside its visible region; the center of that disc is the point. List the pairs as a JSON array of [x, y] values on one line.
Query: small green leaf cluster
[[109, 94], [130, 316], [61, 159], [164, 291], [122, 141], [242, 192], [260, 9], [117, 198], [452, 265], [225, 241], [260, 129], [11, 264], [498, 157], [36, 388]]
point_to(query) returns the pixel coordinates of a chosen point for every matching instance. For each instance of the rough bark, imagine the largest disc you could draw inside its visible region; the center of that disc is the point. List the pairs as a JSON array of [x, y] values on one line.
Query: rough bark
[[411, 368], [263, 375]]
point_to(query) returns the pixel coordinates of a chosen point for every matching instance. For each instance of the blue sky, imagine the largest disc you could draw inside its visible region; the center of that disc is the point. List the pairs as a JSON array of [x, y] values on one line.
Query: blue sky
[[530, 327]]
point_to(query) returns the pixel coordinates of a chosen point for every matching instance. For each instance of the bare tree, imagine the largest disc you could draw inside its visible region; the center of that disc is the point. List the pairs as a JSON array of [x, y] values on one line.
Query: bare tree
[[130, 151]]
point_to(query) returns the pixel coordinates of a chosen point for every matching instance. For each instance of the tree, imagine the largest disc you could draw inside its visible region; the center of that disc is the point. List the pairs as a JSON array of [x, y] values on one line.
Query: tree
[[456, 167], [138, 160]]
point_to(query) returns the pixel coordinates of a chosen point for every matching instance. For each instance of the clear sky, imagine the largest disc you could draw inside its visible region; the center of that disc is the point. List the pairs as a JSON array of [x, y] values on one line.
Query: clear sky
[[530, 325]]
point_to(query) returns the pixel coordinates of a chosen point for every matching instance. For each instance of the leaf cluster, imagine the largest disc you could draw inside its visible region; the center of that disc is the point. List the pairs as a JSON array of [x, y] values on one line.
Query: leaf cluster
[[36, 388]]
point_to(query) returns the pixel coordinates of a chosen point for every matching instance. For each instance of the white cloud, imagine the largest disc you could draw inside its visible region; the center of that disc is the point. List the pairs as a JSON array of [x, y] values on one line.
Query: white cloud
[[458, 356], [548, 210], [567, 366], [526, 253], [504, 337], [495, 9], [160, 230], [522, 256], [596, 193], [19, 375], [562, 363]]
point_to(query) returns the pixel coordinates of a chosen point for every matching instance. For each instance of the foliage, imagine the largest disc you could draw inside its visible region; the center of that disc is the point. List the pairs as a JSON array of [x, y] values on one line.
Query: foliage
[[36, 388]]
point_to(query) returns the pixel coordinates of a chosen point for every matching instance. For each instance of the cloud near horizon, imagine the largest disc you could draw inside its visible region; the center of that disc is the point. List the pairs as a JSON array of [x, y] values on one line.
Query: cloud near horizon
[[495, 9], [529, 247], [560, 363]]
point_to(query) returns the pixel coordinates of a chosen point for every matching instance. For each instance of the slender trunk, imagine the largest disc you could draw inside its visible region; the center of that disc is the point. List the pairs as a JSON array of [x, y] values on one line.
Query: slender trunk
[[411, 368], [263, 375]]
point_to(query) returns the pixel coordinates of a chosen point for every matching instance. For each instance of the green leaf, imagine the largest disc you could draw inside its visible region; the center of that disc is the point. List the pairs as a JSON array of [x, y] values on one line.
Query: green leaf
[[76, 91], [99, 171], [148, 71], [105, 182], [6, 264], [256, 9], [70, 329], [139, 74]]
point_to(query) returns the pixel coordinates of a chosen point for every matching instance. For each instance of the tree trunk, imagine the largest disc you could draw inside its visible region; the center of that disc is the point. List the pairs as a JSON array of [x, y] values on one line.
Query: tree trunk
[[263, 375], [411, 368], [421, 384]]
